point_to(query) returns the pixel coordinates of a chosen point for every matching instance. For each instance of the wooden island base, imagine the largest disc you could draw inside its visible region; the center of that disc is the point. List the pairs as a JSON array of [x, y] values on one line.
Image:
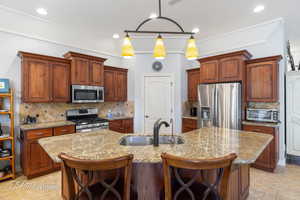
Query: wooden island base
[[147, 181]]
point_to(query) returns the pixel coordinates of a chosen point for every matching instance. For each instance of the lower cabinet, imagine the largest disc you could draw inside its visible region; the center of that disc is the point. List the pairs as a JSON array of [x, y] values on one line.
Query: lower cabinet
[[188, 125], [34, 160], [121, 125], [269, 157]]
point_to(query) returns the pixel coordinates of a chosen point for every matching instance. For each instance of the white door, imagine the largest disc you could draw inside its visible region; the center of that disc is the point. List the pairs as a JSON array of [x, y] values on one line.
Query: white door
[[158, 102], [293, 113]]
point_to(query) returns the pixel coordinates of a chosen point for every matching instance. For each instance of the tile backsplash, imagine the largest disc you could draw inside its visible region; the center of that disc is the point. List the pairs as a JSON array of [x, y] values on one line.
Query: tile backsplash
[[263, 105], [49, 112]]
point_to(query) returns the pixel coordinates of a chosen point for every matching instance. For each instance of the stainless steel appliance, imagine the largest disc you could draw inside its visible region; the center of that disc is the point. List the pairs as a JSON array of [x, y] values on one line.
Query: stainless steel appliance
[[87, 120], [263, 115], [220, 105], [87, 94]]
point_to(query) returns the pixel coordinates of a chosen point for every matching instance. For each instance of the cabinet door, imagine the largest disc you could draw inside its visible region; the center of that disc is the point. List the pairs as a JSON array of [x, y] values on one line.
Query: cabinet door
[[188, 125], [117, 126], [39, 161], [231, 69], [209, 72], [128, 125], [61, 82], [96, 76], [80, 72], [120, 86], [262, 82], [269, 157], [36, 81], [193, 81], [109, 85]]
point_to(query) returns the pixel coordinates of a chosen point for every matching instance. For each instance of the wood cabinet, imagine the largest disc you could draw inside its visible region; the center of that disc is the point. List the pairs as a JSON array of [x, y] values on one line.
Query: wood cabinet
[[44, 78], [121, 125], [86, 69], [209, 72], [269, 157], [224, 68], [34, 160], [188, 125], [115, 84], [61, 82], [262, 79], [193, 81]]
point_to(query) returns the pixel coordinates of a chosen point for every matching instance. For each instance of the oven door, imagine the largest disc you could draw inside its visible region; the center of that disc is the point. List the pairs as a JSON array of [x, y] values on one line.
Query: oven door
[[87, 94]]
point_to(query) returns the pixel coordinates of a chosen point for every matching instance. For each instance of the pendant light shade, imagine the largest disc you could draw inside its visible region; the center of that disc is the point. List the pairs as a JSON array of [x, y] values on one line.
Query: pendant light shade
[[191, 49], [159, 48], [127, 48]]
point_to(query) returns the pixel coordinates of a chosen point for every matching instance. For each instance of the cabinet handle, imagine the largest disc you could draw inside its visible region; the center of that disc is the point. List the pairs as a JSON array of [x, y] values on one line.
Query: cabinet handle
[[64, 130]]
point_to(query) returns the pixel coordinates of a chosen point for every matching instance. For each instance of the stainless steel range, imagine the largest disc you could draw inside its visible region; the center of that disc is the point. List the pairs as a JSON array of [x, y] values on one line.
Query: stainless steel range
[[87, 120]]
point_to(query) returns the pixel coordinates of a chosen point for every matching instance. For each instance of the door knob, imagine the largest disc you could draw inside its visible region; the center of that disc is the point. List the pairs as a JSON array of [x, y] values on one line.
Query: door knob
[[146, 116]]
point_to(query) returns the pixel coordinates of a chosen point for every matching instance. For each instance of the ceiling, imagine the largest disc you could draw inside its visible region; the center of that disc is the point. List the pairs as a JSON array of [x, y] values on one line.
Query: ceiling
[[105, 17]]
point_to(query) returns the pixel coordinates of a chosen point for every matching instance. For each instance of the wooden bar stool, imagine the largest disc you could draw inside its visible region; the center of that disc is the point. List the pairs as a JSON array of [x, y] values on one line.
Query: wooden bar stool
[[196, 182], [84, 181]]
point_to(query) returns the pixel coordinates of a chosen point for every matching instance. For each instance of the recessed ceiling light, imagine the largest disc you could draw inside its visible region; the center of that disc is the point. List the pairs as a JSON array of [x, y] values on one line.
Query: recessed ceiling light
[[153, 16], [259, 8], [195, 30], [42, 11], [116, 36]]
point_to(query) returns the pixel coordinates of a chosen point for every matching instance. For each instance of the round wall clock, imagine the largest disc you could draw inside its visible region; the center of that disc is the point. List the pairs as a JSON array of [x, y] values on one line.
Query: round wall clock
[[157, 66]]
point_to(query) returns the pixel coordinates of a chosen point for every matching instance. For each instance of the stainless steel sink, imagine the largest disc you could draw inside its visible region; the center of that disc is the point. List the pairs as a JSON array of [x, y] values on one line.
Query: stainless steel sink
[[148, 140]]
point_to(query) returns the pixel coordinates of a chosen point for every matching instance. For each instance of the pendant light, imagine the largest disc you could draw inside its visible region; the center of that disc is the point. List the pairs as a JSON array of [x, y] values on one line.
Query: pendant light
[[159, 48], [191, 49], [127, 48]]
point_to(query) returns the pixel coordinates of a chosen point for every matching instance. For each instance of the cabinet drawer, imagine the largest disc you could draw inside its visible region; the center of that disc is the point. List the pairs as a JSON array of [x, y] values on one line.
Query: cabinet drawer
[[64, 130], [41, 133], [189, 123], [259, 129]]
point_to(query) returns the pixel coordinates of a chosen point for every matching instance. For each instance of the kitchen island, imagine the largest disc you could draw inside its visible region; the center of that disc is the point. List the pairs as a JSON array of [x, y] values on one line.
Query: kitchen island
[[205, 143]]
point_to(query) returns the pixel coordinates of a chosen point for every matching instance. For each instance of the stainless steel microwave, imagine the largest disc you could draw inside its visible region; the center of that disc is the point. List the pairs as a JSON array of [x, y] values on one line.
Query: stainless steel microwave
[[263, 115], [87, 94]]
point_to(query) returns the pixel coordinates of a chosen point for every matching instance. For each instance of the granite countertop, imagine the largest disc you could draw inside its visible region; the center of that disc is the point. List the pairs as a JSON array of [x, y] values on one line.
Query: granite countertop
[[116, 117], [267, 124], [189, 117], [203, 143], [27, 127]]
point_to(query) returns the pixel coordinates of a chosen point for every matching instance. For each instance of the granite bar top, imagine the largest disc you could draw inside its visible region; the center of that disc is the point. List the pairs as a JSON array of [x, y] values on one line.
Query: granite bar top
[[28, 127], [267, 124], [203, 143], [116, 117], [189, 117]]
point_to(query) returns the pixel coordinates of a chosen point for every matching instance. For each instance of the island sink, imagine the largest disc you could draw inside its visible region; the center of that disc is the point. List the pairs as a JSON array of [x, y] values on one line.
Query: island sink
[[148, 140]]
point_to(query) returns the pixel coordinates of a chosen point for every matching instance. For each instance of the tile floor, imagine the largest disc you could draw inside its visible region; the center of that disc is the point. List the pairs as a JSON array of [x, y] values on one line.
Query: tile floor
[[284, 185]]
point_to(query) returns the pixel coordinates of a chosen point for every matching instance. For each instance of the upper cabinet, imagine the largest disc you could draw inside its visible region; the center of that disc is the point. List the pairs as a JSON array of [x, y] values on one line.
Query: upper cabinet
[[85, 69], [209, 72], [44, 78], [262, 79], [115, 84], [224, 68], [193, 81]]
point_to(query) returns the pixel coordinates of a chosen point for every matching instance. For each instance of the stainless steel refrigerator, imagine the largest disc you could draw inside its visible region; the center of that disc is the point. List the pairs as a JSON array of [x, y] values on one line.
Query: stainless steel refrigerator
[[220, 105]]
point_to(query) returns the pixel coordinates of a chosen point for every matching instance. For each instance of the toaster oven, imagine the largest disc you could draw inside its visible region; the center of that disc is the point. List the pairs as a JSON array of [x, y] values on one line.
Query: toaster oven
[[263, 115]]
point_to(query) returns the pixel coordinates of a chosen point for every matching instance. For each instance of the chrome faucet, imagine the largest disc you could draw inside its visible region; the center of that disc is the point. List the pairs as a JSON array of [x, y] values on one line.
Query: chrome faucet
[[156, 128]]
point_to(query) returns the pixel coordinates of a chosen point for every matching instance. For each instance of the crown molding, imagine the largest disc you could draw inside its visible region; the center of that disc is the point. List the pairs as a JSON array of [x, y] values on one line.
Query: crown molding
[[58, 43], [245, 29]]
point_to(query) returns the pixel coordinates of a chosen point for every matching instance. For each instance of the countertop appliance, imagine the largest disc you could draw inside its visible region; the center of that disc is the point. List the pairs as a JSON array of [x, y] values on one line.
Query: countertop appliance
[[262, 115], [87, 94], [193, 112], [87, 120], [220, 105]]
